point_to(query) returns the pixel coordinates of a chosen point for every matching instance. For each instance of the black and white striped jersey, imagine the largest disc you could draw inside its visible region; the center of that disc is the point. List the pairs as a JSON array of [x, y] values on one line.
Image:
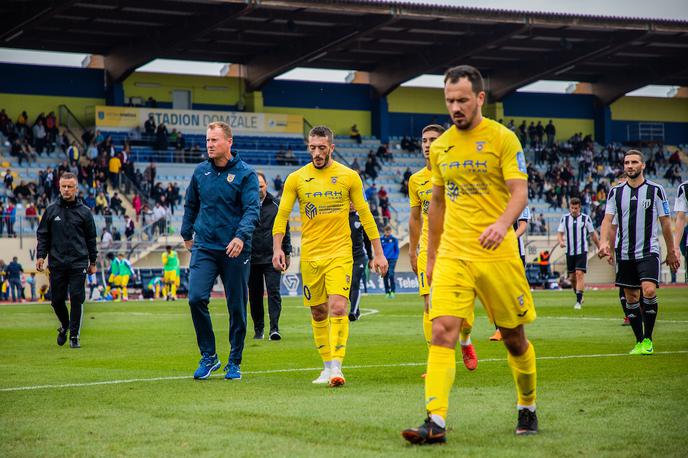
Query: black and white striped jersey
[[682, 200], [525, 216], [638, 211], [576, 229]]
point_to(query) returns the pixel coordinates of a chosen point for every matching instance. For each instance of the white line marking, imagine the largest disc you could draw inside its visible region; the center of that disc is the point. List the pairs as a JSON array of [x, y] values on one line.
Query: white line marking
[[369, 312], [309, 369]]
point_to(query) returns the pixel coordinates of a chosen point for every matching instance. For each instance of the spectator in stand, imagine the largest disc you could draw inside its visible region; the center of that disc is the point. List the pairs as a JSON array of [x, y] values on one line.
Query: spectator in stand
[[161, 138], [151, 102], [355, 134], [116, 204], [2, 224], [107, 214], [101, 203], [31, 280], [31, 215], [147, 220], [675, 159], [159, 214], [171, 197], [114, 168], [278, 184], [381, 152], [532, 134], [106, 241], [539, 132], [90, 201], [129, 228], [8, 179], [551, 133], [14, 272], [137, 204], [280, 156], [370, 169], [149, 126], [10, 217], [355, 166], [290, 157], [39, 135]]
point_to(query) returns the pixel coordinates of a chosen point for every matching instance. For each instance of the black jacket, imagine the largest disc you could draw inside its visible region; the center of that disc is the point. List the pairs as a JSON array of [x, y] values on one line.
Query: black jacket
[[261, 252], [359, 239], [67, 234]]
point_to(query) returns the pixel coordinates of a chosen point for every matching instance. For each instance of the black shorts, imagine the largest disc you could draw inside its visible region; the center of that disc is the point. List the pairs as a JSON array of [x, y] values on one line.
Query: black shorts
[[577, 262], [630, 274]]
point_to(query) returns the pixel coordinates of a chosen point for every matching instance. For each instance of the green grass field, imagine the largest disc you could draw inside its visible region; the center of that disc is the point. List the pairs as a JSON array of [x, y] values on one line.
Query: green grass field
[[129, 392]]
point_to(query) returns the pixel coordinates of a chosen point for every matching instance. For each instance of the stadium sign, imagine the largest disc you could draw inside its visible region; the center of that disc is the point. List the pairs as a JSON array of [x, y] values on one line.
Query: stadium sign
[[195, 122]]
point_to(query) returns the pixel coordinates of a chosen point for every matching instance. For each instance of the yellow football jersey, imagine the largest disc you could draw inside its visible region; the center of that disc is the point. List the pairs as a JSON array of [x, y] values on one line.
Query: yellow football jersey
[[420, 192], [473, 166], [324, 196]]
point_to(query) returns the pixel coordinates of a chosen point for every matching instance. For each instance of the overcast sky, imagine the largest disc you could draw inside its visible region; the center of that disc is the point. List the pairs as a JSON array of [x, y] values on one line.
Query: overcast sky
[[658, 9]]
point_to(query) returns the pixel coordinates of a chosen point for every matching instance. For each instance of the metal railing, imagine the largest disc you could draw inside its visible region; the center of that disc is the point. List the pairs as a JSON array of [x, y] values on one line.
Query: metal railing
[[72, 125]]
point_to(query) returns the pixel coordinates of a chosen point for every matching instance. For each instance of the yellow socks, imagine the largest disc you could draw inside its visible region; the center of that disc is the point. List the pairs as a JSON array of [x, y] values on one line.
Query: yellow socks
[[427, 328], [174, 289], [125, 293], [525, 375], [321, 335], [339, 335], [439, 379]]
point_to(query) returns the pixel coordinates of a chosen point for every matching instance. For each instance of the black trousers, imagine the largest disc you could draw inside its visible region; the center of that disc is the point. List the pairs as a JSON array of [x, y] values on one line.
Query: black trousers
[[72, 280], [356, 275], [264, 273]]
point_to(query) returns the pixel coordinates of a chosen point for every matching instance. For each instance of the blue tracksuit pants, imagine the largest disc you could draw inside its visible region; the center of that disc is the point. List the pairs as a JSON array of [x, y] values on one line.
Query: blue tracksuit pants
[[204, 268]]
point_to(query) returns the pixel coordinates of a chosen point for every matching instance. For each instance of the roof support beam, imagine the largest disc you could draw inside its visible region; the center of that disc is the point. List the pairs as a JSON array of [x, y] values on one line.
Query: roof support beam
[[122, 61], [266, 66], [389, 75], [614, 86], [37, 13], [555, 63]]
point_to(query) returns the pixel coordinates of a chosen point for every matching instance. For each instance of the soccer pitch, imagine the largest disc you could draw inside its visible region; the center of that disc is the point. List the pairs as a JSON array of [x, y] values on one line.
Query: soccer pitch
[[129, 390]]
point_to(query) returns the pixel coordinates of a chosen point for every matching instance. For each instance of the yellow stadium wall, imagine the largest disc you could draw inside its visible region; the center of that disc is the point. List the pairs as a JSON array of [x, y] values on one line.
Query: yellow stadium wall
[[416, 100], [196, 84], [650, 109], [339, 121], [82, 107]]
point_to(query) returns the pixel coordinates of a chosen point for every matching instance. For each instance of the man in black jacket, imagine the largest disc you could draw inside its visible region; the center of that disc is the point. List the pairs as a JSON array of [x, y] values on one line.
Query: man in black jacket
[[362, 254], [261, 266], [67, 234]]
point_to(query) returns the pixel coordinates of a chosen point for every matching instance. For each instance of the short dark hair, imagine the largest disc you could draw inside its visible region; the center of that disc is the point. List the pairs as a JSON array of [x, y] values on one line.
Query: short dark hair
[[434, 128], [388, 227], [635, 152], [322, 131], [68, 176], [473, 75], [574, 201], [168, 247], [262, 175]]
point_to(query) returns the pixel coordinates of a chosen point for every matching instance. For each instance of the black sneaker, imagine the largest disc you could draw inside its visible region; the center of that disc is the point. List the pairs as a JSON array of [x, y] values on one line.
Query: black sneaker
[[61, 336], [275, 335], [427, 433], [527, 423], [258, 335], [74, 342]]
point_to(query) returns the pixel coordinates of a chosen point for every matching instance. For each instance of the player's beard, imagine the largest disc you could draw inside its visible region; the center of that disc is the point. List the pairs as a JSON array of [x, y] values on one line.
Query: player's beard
[[634, 175], [326, 161], [465, 122]]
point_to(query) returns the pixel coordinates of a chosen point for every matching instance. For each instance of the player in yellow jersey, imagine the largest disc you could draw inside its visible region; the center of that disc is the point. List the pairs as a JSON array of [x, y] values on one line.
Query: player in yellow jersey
[[324, 189], [479, 189], [420, 191]]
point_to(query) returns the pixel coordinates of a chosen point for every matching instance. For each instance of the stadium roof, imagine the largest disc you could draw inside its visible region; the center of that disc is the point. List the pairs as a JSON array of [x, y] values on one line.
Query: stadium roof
[[392, 41]]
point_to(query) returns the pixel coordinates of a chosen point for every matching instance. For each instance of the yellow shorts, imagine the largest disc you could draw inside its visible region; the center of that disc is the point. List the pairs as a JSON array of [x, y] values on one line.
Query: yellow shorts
[[123, 280], [325, 277], [423, 287], [112, 280], [170, 276], [501, 287]]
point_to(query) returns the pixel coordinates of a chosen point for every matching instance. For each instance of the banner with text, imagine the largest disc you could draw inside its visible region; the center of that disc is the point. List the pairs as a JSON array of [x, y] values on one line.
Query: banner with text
[[195, 122]]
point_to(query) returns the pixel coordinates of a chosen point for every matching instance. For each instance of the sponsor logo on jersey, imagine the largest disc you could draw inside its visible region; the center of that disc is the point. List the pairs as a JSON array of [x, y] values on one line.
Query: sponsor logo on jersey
[[310, 210], [452, 191], [468, 165]]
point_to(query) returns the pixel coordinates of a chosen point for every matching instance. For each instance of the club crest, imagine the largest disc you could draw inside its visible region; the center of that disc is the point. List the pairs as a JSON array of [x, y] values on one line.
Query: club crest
[[230, 178]]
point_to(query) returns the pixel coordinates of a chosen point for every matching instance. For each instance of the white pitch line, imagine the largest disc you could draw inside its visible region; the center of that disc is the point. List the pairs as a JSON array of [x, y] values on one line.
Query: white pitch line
[[309, 369], [369, 312]]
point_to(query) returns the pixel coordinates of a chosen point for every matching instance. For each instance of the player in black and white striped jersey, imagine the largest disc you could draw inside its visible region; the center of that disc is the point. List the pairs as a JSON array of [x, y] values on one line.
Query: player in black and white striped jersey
[[681, 208], [641, 207], [574, 229]]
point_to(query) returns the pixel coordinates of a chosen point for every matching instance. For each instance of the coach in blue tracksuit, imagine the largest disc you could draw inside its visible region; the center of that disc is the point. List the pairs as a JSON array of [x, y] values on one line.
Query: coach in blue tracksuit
[[390, 246], [221, 211]]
